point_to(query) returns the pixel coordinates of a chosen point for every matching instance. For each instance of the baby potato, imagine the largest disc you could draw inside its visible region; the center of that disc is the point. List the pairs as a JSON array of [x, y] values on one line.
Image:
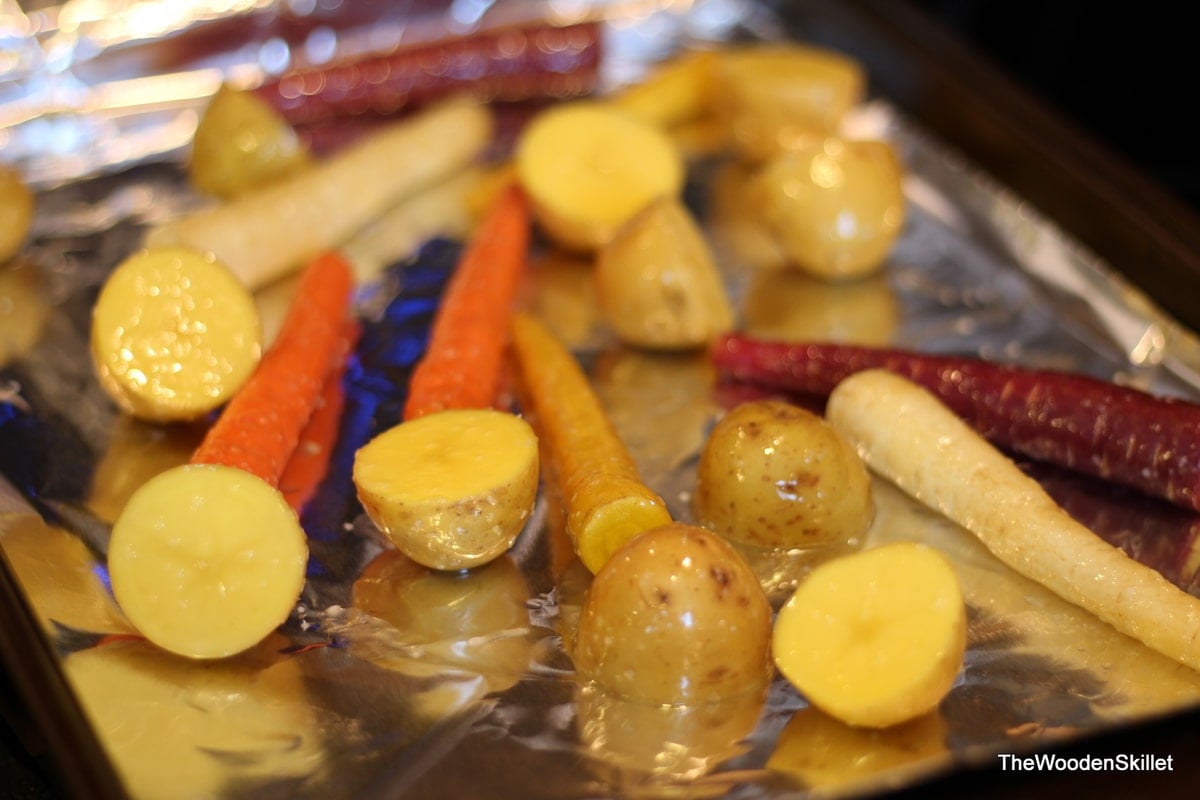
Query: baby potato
[[835, 206], [451, 490], [775, 475], [657, 283], [240, 143], [675, 616], [772, 98], [16, 212]]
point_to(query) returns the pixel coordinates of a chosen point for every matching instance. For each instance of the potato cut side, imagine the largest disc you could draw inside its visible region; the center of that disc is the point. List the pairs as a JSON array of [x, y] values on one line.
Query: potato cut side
[[589, 167], [206, 561], [876, 638], [174, 335], [453, 489]]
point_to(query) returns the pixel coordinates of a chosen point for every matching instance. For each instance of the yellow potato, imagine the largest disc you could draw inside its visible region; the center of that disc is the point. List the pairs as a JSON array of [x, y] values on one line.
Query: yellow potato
[[206, 561], [589, 167], [673, 93], [16, 212], [835, 206], [242, 143], [775, 475], [876, 638], [774, 97], [657, 282], [174, 335], [453, 489], [675, 616]]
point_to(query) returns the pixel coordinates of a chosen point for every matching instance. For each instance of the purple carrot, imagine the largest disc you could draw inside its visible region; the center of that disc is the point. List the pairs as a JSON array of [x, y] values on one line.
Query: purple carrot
[[1095, 427], [537, 62]]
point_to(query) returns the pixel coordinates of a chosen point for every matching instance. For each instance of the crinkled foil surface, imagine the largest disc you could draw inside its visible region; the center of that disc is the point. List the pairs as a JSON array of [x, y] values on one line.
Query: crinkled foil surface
[[392, 681]]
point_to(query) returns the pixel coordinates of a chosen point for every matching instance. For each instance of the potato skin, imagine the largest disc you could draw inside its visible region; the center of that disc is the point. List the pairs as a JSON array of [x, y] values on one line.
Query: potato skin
[[675, 616], [657, 282], [775, 475], [836, 206]]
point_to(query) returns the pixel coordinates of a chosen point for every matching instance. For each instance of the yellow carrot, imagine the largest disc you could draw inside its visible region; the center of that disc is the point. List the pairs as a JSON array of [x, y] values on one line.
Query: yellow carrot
[[605, 500]]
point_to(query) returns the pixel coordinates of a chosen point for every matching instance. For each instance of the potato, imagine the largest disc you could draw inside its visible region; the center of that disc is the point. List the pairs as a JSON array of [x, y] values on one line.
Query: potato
[[876, 638], [657, 283], [775, 97], [589, 167], [174, 335], [775, 475], [16, 212], [675, 616], [674, 92], [451, 489], [835, 206], [206, 561], [242, 143]]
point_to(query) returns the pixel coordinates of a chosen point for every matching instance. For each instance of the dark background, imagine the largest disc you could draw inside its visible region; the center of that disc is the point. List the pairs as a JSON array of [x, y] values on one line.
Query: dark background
[[1121, 73]]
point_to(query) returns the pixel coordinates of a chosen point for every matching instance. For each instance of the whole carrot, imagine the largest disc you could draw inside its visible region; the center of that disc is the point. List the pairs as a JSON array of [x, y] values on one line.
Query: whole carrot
[[605, 500], [463, 366], [1095, 427], [310, 460], [260, 427]]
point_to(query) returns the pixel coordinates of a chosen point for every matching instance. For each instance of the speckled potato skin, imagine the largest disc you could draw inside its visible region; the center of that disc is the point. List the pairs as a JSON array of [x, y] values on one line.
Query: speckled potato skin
[[675, 616], [776, 475], [836, 206]]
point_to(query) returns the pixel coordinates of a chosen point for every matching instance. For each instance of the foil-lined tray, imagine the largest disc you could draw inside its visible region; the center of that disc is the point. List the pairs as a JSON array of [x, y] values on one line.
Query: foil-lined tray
[[391, 681]]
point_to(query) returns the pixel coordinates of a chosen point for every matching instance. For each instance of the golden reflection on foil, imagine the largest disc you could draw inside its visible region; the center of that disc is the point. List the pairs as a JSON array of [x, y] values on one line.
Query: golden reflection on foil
[[246, 719], [785, 304], [653, 750], [823, 752], [466, 633]]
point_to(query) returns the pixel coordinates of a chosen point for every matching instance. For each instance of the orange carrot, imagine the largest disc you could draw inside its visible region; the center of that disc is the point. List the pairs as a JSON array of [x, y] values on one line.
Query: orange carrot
[[310, 460], [260, 427], [463, 366]]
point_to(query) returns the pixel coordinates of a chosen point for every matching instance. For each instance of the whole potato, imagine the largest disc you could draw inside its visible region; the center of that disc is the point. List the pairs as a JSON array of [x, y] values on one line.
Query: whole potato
[[775, 475], [675, 616], [772, 98], [657, 283], [835, 206]]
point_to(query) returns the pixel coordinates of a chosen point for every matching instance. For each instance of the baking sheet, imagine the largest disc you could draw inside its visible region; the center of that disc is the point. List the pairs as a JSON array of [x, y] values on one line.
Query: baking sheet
[[390, 681]]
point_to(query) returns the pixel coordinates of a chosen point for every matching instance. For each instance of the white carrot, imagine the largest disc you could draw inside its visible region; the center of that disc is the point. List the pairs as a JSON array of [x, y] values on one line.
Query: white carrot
[[909, 437], [265, 234]]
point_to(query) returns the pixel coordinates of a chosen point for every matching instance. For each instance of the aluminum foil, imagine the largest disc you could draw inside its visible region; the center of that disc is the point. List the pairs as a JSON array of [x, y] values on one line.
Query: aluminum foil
[[390, 680]]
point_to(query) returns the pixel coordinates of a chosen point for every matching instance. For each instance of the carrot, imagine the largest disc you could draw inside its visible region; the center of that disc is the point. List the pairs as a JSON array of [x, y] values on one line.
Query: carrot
[[310, 460], [935, 457], [605, 500], [259, 429], [464, 364], [1130, 437], [515, 63]]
